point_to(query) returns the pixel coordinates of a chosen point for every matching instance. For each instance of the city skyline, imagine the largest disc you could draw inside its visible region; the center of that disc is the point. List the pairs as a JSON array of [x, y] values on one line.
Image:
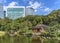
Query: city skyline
[[40, 6], [14, 12]]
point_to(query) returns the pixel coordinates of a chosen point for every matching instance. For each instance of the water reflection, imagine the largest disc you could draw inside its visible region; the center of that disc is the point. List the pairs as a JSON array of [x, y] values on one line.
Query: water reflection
[[37, 40], [25, 39]]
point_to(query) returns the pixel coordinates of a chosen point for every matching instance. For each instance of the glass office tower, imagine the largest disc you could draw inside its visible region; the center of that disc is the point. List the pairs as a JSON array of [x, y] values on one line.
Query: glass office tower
[[1, 11], [15, 12]]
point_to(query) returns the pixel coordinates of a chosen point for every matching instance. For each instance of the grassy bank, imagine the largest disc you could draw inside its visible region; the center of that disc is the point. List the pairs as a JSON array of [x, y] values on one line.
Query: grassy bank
[[2, 33]]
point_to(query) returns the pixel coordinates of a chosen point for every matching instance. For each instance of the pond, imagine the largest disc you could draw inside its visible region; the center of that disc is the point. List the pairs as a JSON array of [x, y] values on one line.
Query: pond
[[25, 39]]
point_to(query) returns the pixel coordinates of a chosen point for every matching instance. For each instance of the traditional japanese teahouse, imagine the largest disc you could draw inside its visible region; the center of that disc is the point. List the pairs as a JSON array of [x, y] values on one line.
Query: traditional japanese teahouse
[[39, 28]]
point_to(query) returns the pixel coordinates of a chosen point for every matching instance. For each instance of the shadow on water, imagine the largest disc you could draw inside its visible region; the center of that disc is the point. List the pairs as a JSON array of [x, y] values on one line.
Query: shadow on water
[[25, 39], [37, 40]]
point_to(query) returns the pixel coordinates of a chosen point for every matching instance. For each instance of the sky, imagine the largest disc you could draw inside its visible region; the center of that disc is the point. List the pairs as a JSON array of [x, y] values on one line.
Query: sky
[[41, 6]]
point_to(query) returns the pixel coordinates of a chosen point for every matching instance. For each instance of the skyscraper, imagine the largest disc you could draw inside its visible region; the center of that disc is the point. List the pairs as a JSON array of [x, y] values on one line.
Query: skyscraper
[[4, 13], [29, 11], [15, 12], [1, 11]]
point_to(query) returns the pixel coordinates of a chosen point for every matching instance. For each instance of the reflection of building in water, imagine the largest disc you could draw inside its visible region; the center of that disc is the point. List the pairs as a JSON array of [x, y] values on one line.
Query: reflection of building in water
[[36, 40]]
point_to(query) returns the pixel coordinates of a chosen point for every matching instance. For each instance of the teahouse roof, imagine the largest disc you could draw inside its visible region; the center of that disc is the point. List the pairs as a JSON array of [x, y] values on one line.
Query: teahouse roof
[[38, 26]]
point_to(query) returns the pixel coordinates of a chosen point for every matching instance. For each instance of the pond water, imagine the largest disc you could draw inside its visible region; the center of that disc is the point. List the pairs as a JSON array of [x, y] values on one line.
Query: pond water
[[25, 39]]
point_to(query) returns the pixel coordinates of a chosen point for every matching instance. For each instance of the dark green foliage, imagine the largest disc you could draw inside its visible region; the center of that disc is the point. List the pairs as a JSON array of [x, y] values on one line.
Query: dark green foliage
[[31, 20]]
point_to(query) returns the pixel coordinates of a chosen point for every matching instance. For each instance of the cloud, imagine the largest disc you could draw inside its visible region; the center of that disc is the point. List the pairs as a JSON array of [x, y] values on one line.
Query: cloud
[[35, 10], [47, 9], [12, 4], [40, 7], [30, 3], [5, 7], [34, 5]]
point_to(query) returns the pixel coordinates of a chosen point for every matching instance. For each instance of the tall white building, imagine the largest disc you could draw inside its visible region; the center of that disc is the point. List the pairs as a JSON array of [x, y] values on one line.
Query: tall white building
[[1, 11], [15, 12], [29, 11]]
